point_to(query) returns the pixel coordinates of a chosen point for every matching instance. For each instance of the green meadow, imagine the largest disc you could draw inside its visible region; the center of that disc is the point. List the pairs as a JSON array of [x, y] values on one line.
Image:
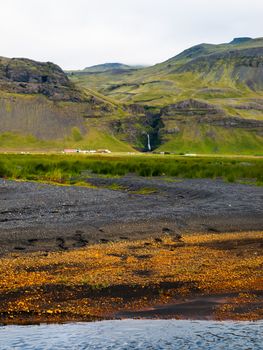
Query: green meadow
[[211, 139], [93, 139], [71, 169]]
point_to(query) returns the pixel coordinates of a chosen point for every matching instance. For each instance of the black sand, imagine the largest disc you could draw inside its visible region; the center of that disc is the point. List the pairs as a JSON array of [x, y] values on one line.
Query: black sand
[[35, 216]]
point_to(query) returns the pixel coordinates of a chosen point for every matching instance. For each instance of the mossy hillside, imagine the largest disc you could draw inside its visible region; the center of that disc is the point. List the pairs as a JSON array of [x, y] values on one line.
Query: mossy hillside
[[38, 123], [40, 117], [227, 77], [208, 139], [28, 120], [39, 109], [220, 73], [159, 90], [98, 139], [92, 140]]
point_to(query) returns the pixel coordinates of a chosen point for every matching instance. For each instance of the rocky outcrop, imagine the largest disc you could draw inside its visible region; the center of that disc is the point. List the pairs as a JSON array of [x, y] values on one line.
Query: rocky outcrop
[[171, 120], [188, 111], [236, 122], [256, 106], [38, 99], [21, 75], [138, 125], [191, 107]]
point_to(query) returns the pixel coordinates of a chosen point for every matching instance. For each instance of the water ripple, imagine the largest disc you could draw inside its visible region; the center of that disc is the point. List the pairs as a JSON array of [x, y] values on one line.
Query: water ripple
[[135, 334]]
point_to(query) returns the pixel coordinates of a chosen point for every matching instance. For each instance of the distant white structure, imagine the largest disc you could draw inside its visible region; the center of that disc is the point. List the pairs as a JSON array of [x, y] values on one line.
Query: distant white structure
[[103, 151], [87, 151], [69, 150], [92, 151]]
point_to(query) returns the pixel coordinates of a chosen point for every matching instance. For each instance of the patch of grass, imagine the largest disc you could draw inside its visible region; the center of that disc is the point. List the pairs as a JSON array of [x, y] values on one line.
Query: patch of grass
[[145, 191], [82, 183], [249, 182], [76, 134], [94, 139], [115, 187], [65, 168]]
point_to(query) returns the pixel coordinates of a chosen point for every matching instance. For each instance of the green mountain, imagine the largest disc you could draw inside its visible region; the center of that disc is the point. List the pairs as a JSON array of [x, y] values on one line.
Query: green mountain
[[40, 108], [203, 71], [208, 99]]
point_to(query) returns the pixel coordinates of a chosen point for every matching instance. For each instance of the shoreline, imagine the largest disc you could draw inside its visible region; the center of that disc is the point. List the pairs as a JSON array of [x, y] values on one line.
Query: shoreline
[[131, 247], [198, 308]]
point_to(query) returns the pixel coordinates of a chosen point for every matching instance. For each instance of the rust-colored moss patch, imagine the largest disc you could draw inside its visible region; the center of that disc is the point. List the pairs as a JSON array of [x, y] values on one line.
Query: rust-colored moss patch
[[99, 281]]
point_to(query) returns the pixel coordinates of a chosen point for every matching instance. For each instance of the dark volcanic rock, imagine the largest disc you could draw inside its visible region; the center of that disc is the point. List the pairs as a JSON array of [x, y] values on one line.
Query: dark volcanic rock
[[191, 107], [21, 75]]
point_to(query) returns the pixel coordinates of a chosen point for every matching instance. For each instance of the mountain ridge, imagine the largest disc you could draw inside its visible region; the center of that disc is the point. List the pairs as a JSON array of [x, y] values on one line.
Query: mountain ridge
[[109, 67], [207, 99]]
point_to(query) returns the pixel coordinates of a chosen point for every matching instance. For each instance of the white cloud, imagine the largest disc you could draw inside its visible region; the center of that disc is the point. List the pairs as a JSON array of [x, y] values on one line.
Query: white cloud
[[78, 33]]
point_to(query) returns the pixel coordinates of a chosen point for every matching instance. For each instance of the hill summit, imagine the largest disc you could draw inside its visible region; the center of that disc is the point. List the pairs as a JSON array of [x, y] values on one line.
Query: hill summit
[[240, 40], [108, 67], [22, 75]]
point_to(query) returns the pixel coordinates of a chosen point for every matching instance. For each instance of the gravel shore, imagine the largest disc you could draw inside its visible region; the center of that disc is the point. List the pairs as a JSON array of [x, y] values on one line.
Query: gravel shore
[[36, 216]]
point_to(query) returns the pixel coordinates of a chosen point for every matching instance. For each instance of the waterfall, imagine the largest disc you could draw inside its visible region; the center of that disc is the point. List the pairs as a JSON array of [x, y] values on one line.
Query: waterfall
[[149, 143]]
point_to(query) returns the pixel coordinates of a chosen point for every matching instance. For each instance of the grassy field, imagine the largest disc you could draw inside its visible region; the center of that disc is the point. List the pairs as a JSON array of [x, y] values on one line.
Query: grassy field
[[97, 281], [70, 169], [208, 139], [93, 139]]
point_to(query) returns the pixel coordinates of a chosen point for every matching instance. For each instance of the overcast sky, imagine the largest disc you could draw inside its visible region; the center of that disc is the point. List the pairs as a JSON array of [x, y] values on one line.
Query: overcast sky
[[79, 33]]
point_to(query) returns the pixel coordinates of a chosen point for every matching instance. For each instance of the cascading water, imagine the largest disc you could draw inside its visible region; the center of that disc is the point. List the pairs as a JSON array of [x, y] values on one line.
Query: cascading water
[[149, 143]]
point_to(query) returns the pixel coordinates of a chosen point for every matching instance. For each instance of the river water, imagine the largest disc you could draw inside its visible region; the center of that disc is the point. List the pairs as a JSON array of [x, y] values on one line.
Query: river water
[[135, 334]]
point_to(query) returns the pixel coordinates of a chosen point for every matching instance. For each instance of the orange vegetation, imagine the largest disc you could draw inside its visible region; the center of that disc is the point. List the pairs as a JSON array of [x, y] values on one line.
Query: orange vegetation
[[97, 281]]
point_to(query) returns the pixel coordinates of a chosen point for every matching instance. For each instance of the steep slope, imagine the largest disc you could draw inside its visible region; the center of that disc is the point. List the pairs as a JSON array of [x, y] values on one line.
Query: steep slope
[[40, 107]]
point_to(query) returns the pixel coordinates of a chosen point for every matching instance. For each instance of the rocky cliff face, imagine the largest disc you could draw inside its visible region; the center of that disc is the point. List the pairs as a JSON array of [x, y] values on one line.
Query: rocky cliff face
[[20, 75], [38, 99], [171, 121], [192, 107]]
